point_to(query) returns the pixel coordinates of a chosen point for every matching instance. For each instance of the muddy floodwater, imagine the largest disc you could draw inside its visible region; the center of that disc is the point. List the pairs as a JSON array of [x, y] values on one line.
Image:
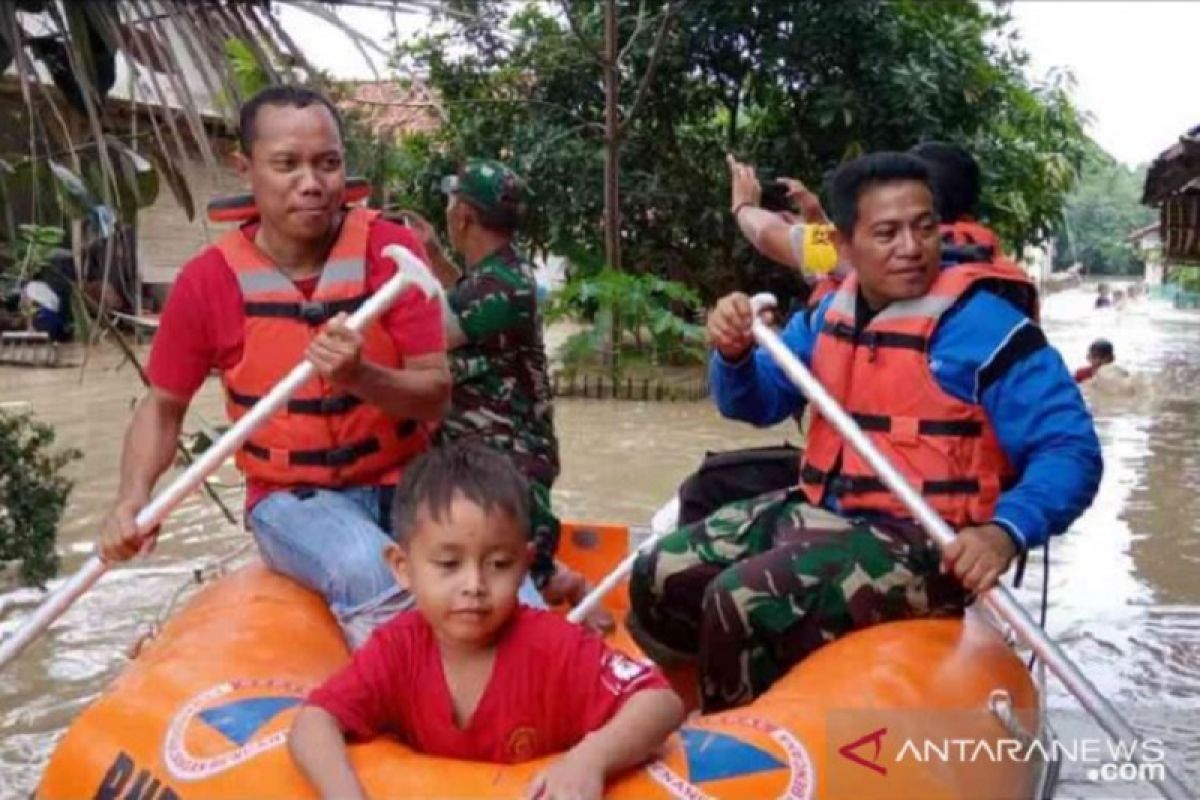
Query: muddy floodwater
[[1124, 583]]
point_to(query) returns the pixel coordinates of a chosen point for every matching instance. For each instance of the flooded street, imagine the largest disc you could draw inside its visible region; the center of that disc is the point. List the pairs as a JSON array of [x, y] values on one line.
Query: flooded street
[[1124, 583]]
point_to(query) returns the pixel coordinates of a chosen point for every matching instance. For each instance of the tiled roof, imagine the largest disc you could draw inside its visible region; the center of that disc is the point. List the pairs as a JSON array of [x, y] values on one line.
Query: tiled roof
[[392, 108]]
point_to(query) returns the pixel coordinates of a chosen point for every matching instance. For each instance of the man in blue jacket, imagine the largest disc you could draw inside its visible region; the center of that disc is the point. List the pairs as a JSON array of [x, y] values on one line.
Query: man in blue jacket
[[946, 371]]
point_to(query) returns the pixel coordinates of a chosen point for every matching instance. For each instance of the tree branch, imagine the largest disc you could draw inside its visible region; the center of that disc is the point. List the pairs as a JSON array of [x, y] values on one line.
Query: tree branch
[[637, 31], [587, 43], [648, 76]]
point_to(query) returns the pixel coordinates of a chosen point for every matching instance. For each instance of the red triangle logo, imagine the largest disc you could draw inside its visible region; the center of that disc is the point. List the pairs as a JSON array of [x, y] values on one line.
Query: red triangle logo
[[847, 751]]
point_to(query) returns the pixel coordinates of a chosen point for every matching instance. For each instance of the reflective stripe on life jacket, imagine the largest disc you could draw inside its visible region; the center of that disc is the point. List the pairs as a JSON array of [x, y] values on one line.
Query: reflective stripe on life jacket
[[881, 376], [323, 437]]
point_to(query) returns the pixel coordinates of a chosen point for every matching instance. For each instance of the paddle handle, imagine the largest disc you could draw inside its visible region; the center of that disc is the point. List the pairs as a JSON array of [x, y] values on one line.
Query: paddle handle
[[999, 598], [409, 272]]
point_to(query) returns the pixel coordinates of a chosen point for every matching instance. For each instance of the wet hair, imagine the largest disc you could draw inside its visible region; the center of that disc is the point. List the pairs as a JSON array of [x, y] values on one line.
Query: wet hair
[[1102, 348], [481, 475], [955, 173], [849, 181], [280, 95]]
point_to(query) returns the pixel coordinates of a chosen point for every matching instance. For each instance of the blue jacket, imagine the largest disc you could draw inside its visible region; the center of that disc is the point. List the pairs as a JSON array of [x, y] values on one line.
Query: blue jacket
[[984, 351]]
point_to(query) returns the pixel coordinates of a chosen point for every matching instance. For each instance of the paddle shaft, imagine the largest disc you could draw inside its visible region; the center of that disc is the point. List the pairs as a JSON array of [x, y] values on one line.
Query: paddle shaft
[[158, 508], [611, 580], [999, 599]]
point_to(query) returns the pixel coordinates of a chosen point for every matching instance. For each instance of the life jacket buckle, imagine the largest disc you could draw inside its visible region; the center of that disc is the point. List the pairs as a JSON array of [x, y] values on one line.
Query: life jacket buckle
[[314, 312]]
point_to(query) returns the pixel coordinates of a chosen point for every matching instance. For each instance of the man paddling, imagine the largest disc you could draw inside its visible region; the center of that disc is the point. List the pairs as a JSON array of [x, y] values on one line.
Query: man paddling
[[272, 292], [953, 381]]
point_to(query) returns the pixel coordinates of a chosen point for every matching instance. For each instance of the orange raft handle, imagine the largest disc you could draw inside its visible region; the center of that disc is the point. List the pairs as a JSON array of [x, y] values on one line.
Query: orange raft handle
[[241, 208]]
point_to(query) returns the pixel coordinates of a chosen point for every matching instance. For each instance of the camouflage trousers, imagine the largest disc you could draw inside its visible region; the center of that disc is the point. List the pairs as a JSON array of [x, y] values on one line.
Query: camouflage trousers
[[754, 588], [544, 532]]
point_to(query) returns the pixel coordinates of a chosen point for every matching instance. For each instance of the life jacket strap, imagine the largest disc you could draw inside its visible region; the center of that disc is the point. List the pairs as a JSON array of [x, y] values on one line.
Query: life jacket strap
[[846, 485], [872, 339], [879, 423], [314, 312], [333, 458], [331, 406]]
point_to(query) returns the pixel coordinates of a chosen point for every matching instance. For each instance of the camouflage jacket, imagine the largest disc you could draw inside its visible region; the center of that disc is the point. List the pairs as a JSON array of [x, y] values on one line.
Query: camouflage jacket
[[501, 383]]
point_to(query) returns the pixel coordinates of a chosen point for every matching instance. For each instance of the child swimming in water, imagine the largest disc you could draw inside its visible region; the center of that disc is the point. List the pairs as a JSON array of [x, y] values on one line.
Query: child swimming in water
[[1100, 354]]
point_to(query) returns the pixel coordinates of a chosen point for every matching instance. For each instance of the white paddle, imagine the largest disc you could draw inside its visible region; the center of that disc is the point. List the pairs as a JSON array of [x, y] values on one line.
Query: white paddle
[[409, 272]]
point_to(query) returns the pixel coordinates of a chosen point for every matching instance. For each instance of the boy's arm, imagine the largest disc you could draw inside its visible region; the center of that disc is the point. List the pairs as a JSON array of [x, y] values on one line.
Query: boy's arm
[[318, 747], [639, 727]]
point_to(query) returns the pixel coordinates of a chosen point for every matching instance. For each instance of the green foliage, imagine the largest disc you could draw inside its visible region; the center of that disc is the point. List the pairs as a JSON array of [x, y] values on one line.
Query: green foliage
[[33, 494], [796, 86], [403, 174], [1187, 277], [1102, 210], [249, 75], [643, 309], [32, 250]]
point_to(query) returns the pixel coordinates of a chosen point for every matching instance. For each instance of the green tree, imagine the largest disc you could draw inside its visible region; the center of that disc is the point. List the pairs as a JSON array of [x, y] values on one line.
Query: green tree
[[794, 85], [1102, 210], [33, 495]]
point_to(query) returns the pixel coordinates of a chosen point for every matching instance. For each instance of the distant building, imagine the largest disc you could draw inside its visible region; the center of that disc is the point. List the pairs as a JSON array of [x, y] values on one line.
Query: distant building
[[1148, 243], [392, 108], [1173, 186]]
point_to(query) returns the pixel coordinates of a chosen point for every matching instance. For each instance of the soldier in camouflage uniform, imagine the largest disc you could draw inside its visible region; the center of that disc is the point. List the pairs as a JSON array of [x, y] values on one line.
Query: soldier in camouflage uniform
[[501, 390], [945, 370]]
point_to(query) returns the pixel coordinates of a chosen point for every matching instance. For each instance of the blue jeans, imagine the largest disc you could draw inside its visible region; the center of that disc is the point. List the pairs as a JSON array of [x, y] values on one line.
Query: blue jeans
[[332, 542]]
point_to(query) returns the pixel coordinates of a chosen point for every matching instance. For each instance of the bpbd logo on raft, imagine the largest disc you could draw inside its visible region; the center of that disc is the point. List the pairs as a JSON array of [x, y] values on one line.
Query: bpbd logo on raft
[[736, 756], [228, 725]]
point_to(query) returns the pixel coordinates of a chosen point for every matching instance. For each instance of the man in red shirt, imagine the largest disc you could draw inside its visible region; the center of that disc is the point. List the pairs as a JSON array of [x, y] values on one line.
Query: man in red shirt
[[471, 674], [273, 292]]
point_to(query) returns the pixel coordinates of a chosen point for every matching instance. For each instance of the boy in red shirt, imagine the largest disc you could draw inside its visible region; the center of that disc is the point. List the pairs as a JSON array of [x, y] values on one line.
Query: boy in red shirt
[[470, 674]]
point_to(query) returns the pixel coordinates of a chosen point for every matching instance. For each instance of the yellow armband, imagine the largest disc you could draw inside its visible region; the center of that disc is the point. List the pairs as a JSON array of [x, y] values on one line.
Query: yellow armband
[[820, 256]]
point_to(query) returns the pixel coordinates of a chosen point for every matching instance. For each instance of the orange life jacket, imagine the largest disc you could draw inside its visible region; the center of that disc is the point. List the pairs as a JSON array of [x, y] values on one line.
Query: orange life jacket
[[881, 376], [967, 241], [825, 286], [323, 437]]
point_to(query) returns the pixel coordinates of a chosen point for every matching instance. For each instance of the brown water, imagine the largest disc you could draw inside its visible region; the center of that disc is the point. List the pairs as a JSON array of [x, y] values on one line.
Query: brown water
[[1124, 583]]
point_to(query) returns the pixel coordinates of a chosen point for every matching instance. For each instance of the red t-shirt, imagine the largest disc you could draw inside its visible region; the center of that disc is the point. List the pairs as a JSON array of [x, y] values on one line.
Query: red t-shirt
[[552, 683], [202, 325], [1085, 374]]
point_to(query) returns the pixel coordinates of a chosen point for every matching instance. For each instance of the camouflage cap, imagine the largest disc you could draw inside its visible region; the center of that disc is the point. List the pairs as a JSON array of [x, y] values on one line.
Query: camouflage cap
[[491, 187]]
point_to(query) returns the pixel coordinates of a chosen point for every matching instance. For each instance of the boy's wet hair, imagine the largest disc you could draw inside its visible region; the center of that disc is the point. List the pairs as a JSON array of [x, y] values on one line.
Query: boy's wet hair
[[281, 95], [849, 181], [481, 475], [1102, 348]]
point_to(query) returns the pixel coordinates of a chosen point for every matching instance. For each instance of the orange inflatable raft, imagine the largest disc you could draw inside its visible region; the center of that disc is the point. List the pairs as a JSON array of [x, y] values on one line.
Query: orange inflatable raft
[[203, 712]]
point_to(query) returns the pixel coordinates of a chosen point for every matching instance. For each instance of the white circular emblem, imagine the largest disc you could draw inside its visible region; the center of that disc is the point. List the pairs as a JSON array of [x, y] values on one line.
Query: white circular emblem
[[231, 716], [724, 753]]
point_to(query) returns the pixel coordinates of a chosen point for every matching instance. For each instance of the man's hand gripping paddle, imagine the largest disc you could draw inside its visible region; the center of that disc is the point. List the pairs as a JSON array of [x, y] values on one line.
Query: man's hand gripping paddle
[[999, 599]]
